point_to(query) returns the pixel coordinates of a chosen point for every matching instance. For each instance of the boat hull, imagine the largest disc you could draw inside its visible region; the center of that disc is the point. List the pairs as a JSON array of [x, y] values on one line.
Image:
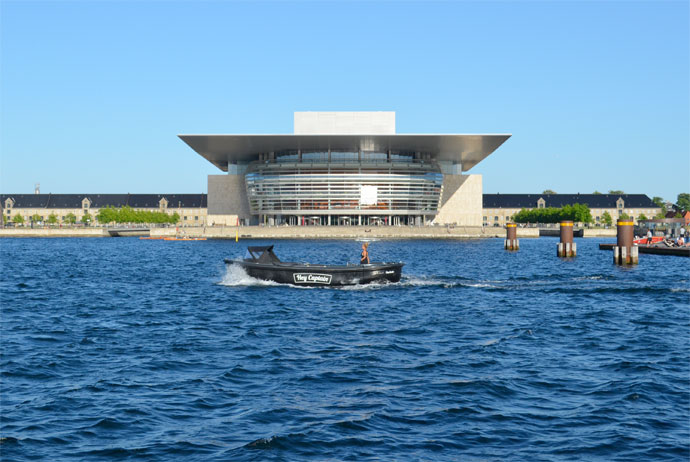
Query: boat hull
[[322, 275]]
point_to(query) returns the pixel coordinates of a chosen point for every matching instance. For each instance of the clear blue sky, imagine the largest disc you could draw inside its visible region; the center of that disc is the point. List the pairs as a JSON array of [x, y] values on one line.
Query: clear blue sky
[[596, 94]]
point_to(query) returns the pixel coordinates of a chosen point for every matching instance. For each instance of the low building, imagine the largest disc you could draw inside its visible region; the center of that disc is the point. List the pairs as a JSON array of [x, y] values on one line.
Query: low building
[[662, 226], [190, 207], [498, 209]]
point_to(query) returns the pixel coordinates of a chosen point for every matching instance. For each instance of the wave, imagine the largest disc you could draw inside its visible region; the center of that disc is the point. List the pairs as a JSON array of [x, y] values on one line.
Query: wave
[[236, 276]]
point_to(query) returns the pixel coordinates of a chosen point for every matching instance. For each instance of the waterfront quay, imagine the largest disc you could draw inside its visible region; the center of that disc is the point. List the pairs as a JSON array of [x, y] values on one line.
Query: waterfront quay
[[292, 232]]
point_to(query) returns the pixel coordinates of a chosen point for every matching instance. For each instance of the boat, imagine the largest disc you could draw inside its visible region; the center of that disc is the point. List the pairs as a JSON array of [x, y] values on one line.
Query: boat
[[262, 263], [152, 238], [643, 240]]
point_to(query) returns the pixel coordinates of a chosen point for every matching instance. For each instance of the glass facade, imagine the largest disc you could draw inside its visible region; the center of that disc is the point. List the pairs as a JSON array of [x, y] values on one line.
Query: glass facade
[[382, 188]]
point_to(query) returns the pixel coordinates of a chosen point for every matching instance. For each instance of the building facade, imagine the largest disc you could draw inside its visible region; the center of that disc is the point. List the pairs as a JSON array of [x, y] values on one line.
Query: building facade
[[498, 209], [345, 168], [192, 208]]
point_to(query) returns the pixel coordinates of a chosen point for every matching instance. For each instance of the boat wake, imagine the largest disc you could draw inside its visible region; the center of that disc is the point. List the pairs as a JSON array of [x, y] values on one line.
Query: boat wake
[[236, 276]]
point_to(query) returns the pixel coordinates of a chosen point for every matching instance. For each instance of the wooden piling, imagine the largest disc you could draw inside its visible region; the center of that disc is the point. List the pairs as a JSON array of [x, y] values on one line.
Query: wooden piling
[[511, 242], [566, 248], [625, 252]]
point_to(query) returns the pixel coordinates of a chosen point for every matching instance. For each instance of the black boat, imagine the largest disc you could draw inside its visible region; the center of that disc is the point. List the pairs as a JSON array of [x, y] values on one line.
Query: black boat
[[262, 263]]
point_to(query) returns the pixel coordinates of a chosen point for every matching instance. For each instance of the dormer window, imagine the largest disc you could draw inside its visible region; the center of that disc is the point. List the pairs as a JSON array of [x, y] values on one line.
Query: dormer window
[[163, 203], [620, 203], [9, 203], [85, 204], [541, 203]]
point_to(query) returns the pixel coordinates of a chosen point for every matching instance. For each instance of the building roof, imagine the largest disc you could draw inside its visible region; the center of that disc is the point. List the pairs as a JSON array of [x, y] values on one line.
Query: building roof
[[70, 201], [597, 201], [221, 150]]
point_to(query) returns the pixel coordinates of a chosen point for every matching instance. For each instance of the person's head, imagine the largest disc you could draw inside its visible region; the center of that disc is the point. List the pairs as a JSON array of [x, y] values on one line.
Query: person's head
[[365, 245]]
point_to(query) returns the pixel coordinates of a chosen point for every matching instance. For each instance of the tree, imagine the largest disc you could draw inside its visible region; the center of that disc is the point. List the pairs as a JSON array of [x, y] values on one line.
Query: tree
[[606, 218], [549, 191], [35, 218], [106, 215], [659, 201], [683, 201], [577, 212], [86, 218], [597, 193], [52, 219], [642, 217], [70, 218], [18, 219], [677, 215], [616, 191], [624, 216]]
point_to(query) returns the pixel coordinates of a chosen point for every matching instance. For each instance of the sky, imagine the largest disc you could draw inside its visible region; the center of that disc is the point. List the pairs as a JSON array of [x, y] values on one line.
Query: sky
[[596, 95]]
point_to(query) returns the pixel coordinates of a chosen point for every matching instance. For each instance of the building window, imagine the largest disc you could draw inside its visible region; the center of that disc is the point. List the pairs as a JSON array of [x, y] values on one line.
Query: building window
[[196, 218], [185, 218], [495, 218], [485, 218]]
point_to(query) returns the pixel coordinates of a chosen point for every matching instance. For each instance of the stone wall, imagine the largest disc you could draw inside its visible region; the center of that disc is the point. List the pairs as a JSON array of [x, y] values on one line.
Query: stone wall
[[461, 201], [227, 195], [53, 232], [347, 232]]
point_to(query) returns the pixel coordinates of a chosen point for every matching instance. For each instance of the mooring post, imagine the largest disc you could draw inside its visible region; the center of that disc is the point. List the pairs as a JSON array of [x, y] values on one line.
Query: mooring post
[[567, 248], [511, 242], [625, 252]]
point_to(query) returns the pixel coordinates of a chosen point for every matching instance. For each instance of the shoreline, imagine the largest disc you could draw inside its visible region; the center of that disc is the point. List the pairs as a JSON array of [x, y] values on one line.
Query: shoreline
[[293, 232]]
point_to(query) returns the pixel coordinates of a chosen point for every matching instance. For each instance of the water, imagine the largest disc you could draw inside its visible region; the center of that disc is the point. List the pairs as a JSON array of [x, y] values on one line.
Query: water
[[121, 349]]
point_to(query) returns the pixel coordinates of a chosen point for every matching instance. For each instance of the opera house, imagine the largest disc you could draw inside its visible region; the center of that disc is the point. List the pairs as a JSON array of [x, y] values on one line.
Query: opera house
[[345, 168]]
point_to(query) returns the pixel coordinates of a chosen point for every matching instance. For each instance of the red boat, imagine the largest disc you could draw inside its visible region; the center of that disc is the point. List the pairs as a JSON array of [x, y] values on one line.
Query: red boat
[[644, 240]]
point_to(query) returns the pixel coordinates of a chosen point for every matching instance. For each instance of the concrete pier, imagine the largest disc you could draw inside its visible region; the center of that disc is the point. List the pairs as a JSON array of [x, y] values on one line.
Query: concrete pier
[[566, 248], [625, 252], [288, 232], [511, 242]]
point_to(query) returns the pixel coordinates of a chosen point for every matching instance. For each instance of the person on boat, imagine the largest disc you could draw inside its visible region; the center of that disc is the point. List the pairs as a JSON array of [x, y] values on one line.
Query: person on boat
[[649, 236], [364, 259]]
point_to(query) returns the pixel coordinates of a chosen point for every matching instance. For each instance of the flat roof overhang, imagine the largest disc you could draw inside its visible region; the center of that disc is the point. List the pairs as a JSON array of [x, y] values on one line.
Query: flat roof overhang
[[222, 150]]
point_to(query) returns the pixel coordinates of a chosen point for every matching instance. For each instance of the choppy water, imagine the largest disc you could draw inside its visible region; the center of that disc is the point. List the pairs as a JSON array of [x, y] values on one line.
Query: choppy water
[[121, 349]]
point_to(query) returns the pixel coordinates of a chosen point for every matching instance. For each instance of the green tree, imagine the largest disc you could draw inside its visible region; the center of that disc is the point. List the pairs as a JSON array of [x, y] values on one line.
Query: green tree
[[624, 216], [52, 219], [70, 218], [683, 201], [606, 218], [582, 214], [86, 218], [677, 215], [642, 217], [549, 191], [106, 215], [616, 191], [579, 213], [659, 201], [35, 218], [18, 219], [129, 215], [596, 193]]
